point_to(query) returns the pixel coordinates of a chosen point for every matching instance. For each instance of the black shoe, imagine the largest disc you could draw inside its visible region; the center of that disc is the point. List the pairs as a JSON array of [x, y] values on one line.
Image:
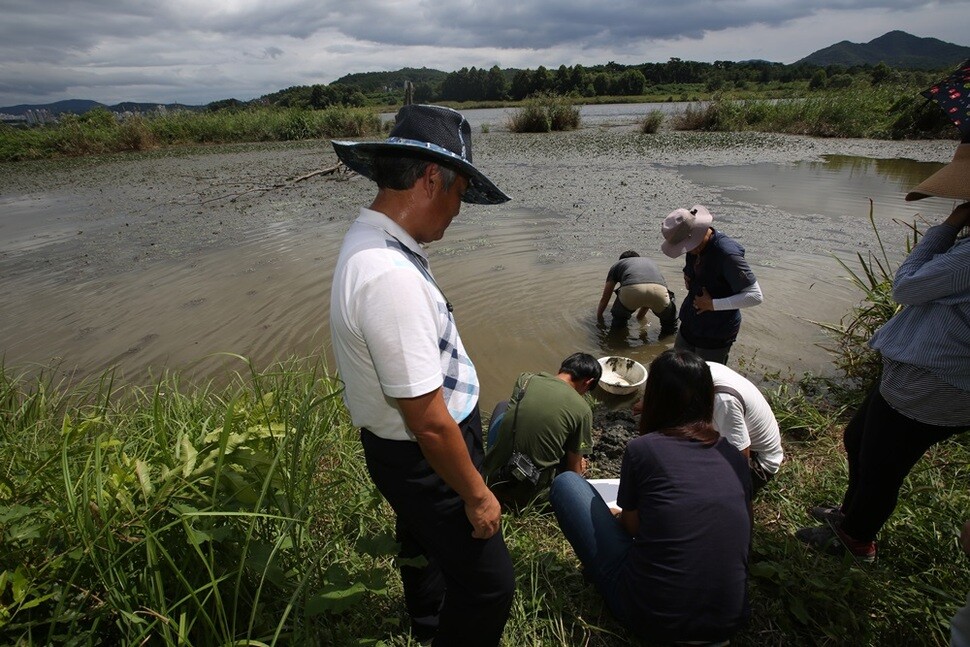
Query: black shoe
[[832, 541], [667, 331], [827, 514]]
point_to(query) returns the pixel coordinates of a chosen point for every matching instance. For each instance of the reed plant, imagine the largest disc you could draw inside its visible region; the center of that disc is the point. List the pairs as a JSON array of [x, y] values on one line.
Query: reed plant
[[651, 123], [861, 366], [543, 113]]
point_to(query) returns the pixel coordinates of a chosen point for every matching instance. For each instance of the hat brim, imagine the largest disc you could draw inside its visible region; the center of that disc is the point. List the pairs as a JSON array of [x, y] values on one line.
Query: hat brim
[[359, 157], [951, 181]]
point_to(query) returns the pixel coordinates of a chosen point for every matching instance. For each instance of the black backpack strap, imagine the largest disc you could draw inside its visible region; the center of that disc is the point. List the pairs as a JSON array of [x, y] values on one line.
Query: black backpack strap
[[515, 401]]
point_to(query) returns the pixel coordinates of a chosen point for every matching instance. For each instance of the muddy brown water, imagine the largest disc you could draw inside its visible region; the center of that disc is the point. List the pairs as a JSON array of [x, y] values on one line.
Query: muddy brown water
[[524, 278]]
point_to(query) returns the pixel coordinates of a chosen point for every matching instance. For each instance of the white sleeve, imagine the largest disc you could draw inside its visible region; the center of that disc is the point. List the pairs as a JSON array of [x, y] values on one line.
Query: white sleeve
[[749, 296], [729, 420], [398, 318]]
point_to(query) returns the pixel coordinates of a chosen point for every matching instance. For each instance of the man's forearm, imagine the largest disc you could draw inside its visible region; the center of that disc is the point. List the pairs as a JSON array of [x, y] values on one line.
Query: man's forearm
[[443, 446], [447, 454]]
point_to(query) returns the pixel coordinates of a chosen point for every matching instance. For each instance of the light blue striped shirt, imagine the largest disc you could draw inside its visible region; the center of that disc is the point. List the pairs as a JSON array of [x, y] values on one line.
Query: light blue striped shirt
[[933, 331]]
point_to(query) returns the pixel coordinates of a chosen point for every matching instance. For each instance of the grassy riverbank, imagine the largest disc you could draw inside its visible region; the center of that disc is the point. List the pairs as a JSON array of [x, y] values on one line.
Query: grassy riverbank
[[888, 111], [185, 515], [874, 113], [99, 131]]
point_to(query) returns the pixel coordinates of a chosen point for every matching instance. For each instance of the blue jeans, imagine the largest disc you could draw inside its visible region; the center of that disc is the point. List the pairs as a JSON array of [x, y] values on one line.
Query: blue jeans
[[960, 627], [498, 414], [595, 534]]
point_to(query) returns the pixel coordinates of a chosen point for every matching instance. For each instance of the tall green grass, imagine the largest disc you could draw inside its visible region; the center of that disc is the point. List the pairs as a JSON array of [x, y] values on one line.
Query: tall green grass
[[98, 132], [184, 515], [882, 112], [860, 365]]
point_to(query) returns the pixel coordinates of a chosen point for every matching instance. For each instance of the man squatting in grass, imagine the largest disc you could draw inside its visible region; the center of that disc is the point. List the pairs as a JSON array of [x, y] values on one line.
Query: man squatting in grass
[[410, 386], [546, 420], [923, 395], [719, 283]]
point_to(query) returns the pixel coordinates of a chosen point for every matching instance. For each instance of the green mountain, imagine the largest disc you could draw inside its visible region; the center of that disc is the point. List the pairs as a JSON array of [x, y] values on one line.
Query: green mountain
[[80, 106], [77, 106], [896, 49]]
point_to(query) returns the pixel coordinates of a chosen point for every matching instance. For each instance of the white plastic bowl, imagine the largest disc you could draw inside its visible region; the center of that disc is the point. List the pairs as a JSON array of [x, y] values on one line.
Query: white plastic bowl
[[621, 375]]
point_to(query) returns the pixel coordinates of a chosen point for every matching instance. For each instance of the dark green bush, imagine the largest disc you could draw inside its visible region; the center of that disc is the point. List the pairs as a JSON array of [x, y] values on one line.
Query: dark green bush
[[530, 118]]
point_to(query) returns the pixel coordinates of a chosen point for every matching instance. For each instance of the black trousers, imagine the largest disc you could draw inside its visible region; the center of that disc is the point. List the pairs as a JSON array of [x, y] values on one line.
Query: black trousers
[[882, 446], [463, 593]]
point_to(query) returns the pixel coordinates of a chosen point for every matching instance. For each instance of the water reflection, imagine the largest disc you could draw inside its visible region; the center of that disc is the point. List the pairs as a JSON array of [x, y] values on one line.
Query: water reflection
[[905, 173], [840, 186], [607, 114]]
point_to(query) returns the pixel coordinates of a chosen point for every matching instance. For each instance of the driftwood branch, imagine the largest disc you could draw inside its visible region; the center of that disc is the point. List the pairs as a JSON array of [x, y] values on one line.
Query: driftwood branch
[[337, 169]]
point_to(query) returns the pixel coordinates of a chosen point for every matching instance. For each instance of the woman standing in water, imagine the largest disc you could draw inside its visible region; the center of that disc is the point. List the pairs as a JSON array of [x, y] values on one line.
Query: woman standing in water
[[672, 562]]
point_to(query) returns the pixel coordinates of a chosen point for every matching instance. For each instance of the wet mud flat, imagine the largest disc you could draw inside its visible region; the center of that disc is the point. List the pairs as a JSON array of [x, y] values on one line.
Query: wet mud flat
[[70, 219], [612, 430]]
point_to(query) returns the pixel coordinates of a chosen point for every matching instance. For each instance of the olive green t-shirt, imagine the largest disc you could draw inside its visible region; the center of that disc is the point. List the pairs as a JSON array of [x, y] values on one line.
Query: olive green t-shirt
[[552, 419]]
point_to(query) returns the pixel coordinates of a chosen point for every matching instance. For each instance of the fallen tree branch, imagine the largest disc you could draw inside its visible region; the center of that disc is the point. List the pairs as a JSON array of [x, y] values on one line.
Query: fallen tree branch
[[337, 169]]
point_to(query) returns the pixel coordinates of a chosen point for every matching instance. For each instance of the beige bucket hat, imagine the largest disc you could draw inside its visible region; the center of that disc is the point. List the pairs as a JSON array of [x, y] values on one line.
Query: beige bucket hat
[[684, 229], [951, 181]]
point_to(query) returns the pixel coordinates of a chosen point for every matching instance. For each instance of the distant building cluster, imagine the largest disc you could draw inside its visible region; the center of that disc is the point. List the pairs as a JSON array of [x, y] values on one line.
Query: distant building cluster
[[38, 117], [13, 120]]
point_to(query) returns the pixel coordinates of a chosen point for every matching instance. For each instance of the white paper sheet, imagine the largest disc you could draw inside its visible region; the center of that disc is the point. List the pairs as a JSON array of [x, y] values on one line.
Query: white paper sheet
[[607, 489]]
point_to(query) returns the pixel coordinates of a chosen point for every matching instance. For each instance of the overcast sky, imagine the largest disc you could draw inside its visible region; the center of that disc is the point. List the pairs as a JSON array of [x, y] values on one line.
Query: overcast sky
[[196, 51]]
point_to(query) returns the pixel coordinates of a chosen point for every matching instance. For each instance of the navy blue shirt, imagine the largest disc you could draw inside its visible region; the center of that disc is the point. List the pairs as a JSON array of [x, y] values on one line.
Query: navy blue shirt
[[685, 577], [722, 269]]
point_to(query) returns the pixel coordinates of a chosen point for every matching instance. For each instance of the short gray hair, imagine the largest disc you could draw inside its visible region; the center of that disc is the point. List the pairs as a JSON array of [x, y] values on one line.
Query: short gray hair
[[400, 173]]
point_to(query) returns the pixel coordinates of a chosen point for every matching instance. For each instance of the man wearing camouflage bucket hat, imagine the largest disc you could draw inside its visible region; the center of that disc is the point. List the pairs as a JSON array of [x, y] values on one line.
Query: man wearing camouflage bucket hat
[[411, 387]]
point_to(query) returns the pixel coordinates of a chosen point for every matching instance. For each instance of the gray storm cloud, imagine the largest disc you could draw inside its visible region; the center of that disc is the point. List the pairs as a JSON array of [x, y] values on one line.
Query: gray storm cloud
[[220, 48]]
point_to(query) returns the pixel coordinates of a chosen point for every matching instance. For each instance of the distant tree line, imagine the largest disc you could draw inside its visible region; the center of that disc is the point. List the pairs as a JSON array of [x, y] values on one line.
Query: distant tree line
[[612, 79]]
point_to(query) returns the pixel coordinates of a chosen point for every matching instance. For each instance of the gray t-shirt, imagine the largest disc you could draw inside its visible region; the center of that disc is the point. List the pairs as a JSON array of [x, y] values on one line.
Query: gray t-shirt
[[635, 270]]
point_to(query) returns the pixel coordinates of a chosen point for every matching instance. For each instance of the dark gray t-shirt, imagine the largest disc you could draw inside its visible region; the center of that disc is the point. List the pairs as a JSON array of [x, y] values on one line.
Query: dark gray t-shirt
[[634, 270], [685, 578]]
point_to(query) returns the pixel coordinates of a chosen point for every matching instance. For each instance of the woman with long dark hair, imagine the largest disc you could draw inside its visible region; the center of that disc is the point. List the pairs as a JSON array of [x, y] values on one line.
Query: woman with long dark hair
[[672, 562]]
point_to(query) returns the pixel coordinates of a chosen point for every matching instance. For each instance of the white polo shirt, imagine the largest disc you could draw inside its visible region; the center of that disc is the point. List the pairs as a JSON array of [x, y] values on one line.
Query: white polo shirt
[[752, 424], [392, 333]]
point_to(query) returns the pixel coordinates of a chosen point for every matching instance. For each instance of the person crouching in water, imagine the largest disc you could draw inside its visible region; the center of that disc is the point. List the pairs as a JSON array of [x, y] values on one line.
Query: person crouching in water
[[672, 562]]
